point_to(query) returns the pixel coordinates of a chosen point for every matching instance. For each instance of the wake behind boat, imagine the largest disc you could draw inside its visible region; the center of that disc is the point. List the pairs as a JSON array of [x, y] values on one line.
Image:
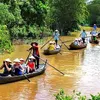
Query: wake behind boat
[[10, 79]]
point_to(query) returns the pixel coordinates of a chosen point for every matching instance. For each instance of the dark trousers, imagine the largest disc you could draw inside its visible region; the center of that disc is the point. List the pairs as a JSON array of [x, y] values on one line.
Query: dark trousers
[[83, 39], [56, 41], [94, 38], [37, 60]]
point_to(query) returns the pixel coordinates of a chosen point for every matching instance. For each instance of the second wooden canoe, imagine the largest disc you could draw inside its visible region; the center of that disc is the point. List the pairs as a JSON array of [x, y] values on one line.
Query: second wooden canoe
[[76, 47], [48, 52]]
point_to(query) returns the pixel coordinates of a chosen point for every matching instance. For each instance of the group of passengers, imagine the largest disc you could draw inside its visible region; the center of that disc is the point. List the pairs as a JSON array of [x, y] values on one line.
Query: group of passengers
[[78, 42], [18, 67], [52, 46]]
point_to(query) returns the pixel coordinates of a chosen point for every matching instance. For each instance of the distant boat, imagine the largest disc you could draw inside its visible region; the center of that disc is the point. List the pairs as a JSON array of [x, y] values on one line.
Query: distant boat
[[76, 47], [94, 41], [52, 52]]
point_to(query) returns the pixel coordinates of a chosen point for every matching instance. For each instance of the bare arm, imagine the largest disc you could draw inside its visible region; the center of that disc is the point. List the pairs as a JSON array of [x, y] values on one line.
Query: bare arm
[[9, 69], [30, 49]]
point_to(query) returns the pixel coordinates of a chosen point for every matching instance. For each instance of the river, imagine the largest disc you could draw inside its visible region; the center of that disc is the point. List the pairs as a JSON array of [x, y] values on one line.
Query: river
[[82, 69]]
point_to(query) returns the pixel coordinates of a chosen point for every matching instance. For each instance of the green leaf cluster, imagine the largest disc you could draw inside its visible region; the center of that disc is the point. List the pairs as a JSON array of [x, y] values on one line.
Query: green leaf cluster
[[94, 10], [75, 96]]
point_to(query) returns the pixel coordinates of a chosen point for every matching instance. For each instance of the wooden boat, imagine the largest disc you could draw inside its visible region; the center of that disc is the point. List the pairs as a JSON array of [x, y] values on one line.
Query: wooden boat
[[9, 79], [94, 42], [48, 52], [98, 36], [76, 47]]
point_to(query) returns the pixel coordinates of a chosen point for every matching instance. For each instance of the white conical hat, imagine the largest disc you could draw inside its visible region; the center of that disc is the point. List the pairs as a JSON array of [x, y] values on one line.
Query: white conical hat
[[16, 60], [21, 59], [56, 30], [31, 57], [50, 42], [8, 60]]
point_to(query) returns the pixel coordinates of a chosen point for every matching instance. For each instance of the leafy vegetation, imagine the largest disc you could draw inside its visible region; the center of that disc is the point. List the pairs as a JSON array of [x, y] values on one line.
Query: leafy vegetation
[[25, 17], [68, 14], [5, 43], [94, 10], [75, 96]]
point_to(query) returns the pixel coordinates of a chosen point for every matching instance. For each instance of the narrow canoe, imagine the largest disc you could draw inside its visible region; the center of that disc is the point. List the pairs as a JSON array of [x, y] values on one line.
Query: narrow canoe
[[48, 52], [10, 79], [94, 42], [98, 35], [76, 47]]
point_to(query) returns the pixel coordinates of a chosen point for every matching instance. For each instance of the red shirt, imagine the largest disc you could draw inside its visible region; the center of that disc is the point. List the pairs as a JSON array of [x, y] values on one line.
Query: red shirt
[[35, 50], [31, 65]]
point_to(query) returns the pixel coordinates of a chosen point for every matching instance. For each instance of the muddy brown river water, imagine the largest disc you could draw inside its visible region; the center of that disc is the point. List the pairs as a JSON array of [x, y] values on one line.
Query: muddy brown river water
[[82, 69]]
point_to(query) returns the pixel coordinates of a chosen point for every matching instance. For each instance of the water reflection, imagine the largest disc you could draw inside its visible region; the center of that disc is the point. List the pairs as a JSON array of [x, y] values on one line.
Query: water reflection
[[81, 68]]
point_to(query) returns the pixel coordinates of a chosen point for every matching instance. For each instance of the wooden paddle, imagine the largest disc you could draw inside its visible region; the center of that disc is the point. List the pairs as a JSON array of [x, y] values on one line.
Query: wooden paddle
[[64, 44], [25, 62], [46, 43], [28, 56], [52, 66], [66, 41]]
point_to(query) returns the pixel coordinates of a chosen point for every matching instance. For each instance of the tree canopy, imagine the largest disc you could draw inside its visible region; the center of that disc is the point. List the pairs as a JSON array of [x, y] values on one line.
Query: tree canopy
[[94, 10]]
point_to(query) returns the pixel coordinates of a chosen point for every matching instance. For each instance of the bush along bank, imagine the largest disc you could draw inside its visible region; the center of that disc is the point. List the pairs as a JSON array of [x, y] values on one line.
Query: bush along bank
[[5, 42], [75, 96]]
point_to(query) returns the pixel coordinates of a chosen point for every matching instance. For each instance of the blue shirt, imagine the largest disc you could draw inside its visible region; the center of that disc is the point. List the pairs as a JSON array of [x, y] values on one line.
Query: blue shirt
[[95, 27], [93, 33], [83, 34], [56, 36]]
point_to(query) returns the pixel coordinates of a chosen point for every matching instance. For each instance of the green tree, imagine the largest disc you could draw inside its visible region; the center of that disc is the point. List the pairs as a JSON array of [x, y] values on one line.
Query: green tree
[[5, 16], [94, 10], [69, 13]]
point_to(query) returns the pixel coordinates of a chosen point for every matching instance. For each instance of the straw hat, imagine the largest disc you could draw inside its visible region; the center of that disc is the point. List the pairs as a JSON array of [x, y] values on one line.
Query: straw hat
[[50, 42], [56, 30], [21, 59], [8, 60], [16, 60], [31, 57], [53, 41]]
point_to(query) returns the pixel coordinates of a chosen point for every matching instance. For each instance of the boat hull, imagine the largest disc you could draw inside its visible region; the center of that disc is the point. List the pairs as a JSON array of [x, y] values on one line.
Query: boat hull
[[94, 42], [76, 47], [10, 79], [48, 52]]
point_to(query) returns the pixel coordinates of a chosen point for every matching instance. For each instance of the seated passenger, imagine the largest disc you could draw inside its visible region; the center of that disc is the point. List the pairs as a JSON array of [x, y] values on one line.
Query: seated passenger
[[31, 64], [25, 67], [51, 46], [19, 70], [76, 42], [7, 67]]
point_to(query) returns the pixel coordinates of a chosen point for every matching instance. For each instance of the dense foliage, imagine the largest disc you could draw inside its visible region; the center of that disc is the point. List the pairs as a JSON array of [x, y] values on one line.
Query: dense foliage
[[25, 17], [68, 14], [5, 43], [75, 96], [94, 10]]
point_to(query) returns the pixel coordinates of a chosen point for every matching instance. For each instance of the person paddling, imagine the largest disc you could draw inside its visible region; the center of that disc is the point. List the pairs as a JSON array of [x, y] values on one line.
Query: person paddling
[[95, 27], [83, 36], [93, 33], [56, 36], [7, 67], [35, 48]]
